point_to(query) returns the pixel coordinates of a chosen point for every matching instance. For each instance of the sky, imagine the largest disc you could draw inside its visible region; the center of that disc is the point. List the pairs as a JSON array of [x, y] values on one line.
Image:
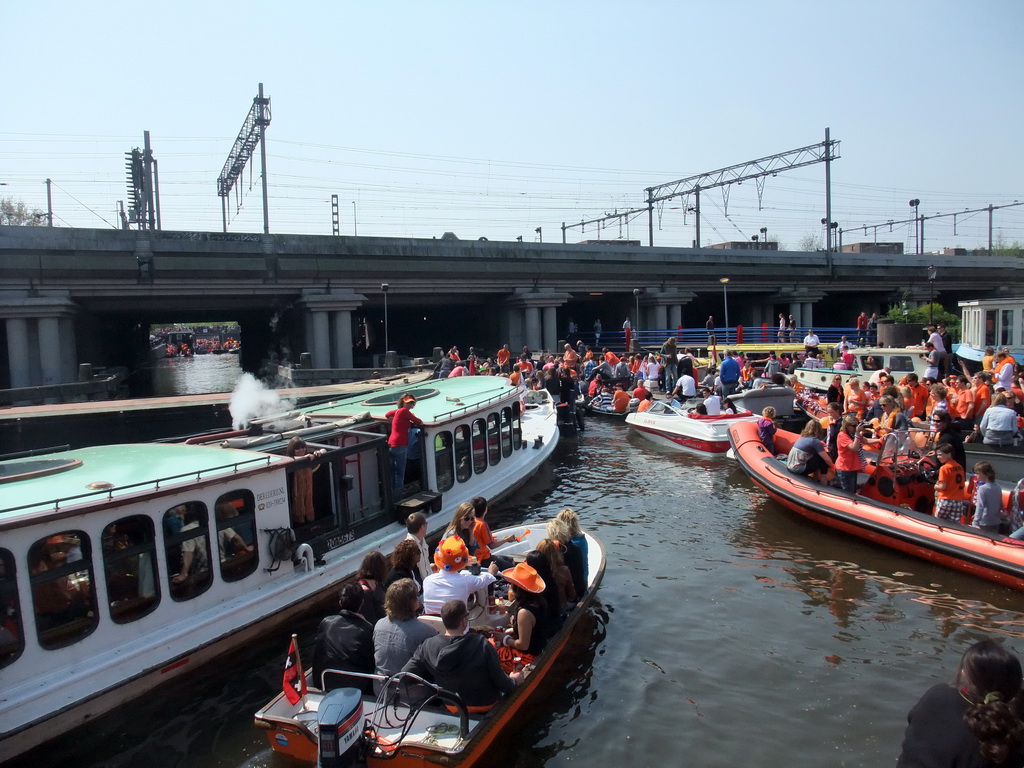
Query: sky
[[493, 120]]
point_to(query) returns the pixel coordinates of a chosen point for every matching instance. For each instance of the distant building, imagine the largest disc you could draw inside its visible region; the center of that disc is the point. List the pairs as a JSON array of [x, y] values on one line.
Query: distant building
[[893, 248], [609, 242], [953, 252], [745, 245]]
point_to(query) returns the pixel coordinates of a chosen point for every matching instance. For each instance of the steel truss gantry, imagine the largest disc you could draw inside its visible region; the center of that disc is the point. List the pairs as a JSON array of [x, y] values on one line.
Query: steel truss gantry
[[253, 132]]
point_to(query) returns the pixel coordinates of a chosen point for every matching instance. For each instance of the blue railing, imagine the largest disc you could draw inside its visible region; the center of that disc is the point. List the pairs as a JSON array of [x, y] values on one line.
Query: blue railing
[[699, 337]]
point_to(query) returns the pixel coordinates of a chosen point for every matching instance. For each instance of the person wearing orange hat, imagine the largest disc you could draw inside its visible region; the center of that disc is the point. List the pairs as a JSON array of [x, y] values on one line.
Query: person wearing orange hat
[[530, 619], [452, 582]]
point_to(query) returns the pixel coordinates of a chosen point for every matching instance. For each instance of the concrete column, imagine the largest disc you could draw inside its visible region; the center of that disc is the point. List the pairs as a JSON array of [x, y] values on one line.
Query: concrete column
[[49, 350], [807, 313], [516, 333], [321, 342], [68, 354], [675, 316], [661, 317], [532, 322], [18, 360], [342, 339], [551, 329]]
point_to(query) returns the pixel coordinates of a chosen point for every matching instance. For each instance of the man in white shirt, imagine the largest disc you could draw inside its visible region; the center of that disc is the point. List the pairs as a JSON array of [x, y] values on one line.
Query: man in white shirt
[[685, 388], [451, 582], [713, 403], [811, 340]]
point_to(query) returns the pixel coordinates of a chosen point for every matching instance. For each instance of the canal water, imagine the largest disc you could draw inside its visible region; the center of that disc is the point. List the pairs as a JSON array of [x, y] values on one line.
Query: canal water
[[731, 633], [196, 375]]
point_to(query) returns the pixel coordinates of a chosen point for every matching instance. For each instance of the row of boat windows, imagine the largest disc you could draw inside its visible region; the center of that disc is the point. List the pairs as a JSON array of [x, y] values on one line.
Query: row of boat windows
[[471, 448], [66, 597]]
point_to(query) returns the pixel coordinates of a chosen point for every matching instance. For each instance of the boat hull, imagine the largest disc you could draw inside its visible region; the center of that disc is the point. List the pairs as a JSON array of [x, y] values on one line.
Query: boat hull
[[897, 527], [674, 428]]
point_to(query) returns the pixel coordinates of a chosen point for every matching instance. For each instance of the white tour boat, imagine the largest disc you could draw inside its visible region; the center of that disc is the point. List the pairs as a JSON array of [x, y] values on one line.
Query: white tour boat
[[124, 566], [866, 360], [995, 323]]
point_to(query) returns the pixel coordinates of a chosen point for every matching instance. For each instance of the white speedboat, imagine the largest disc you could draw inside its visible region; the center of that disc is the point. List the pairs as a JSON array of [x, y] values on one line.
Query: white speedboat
[[679, 428], [124, 566]]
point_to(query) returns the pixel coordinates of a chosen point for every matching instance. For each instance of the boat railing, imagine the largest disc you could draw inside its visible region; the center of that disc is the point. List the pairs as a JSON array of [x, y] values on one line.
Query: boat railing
[[109, 491], [461, 408]]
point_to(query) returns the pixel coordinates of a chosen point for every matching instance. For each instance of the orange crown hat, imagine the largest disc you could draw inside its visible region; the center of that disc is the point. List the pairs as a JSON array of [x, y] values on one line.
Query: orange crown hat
[[526, 577], [451, 554]]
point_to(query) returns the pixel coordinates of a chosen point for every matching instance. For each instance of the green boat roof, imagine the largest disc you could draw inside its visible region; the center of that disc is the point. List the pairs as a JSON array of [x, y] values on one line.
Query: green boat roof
[[436, 400], [37, 483]]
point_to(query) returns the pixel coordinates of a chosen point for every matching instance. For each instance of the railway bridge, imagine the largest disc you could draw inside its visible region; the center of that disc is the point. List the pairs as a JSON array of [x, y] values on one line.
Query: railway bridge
[[89, 295]]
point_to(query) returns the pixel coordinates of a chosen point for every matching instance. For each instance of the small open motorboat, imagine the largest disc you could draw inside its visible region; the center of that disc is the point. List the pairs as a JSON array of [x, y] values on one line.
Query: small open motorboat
[[391, 729], [679, 428], [892, 506]]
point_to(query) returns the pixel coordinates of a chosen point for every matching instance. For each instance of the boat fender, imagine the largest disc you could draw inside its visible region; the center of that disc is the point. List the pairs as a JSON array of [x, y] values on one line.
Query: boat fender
[[304, 553]]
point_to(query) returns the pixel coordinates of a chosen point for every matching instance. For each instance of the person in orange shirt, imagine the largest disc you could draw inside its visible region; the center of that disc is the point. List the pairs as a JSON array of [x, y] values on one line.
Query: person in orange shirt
[[620, 400], [951, 487], [611, 357], [856, 398], [919, 395], [570, 357], [982, 395], [961, 402], [503, 357], [646, 402], [516, 377]]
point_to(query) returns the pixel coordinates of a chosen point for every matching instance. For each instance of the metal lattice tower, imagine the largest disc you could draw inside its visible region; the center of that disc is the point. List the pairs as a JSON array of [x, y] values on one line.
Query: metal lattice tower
[[253, 132]]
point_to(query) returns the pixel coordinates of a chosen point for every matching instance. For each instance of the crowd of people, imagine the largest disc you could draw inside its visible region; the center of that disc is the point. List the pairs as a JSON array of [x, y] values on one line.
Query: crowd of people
[[938, 413], [377, 629]]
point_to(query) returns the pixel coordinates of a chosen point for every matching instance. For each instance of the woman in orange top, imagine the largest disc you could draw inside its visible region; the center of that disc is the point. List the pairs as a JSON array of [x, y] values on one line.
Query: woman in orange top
[[856, 398], [482, 532], [951, 487]]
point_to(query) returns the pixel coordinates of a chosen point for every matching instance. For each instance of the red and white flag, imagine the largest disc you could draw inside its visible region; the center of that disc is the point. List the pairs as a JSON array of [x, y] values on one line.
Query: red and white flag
[[294, 679]]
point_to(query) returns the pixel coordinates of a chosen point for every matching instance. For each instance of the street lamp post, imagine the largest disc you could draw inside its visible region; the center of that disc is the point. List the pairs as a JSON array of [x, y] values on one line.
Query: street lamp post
[[932, 274], [636, 319], [540, 233], [764, 237], [384, 289], [725, 298]]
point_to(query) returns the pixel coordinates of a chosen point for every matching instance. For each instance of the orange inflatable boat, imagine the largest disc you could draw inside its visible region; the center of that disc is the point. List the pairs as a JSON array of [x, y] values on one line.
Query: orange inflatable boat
[[892, 507]]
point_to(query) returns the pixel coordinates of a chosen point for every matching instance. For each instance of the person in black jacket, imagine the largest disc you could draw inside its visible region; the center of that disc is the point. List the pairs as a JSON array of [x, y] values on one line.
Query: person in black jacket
[[974, 723], [462, 662], [344, 641]]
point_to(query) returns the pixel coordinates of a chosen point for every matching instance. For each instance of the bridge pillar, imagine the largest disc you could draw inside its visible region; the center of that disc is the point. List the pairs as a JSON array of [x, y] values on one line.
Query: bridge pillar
[[551, 329], [328, 321], [664, 309], [18, 355], [40, 338], [539, 330], [801, 306]]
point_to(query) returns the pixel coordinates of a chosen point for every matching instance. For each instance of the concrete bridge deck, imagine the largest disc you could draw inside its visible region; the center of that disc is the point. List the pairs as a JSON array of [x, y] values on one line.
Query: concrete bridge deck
[[70, 295]]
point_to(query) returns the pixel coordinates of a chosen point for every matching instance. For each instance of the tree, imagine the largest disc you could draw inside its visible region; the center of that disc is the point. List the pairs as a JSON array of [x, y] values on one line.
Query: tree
[[920, 315], [15, 213], [807, 243]]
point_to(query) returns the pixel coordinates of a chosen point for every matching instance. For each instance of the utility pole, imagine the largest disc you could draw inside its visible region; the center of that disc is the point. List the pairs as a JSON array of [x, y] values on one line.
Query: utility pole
[[49, 213], [264, 121], [335, 216]]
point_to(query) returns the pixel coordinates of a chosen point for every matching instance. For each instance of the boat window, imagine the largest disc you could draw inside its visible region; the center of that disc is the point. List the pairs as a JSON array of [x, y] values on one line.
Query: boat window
[[493, 439], [444, 464], [1006, 327], [12, 636], [990, 328], [517, 425], [62, 588], [236, 535], [479, 445], [463, 469], [901, 363], [506, 432], [129, 561], [187, 542]]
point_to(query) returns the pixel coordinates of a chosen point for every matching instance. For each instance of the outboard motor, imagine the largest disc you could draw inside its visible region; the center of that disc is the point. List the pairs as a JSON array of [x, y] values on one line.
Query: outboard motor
[[340, 718]]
